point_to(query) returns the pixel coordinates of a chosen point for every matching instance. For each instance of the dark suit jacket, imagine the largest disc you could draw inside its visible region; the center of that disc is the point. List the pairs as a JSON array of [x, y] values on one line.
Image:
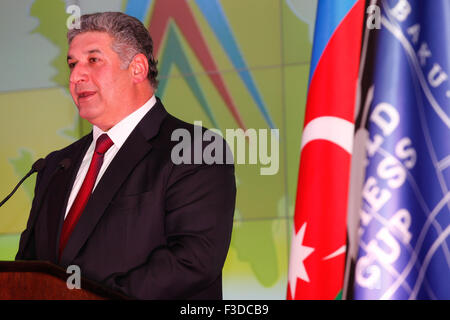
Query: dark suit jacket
[[151, 229]]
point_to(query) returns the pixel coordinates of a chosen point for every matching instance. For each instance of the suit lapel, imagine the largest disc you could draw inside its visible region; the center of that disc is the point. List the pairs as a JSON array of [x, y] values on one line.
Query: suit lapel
[[135, 148]]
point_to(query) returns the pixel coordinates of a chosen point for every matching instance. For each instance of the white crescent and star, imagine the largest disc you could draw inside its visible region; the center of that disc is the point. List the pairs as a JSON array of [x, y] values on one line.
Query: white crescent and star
[[299, 253], [340, 132]]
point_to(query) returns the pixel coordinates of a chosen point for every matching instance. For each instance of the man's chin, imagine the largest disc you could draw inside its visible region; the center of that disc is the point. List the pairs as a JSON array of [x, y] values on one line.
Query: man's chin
[[96, 119], [87, 113]]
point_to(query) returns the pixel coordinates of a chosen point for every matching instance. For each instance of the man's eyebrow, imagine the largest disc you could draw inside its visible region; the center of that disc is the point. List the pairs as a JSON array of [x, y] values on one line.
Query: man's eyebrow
[[94, 51], [87, 52]]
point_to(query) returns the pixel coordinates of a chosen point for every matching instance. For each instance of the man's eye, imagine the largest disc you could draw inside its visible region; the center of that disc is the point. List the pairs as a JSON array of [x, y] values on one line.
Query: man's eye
[[71, 65], [93, 60]]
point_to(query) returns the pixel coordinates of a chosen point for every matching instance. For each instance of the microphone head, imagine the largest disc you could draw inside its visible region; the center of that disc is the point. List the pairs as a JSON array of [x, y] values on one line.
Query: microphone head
[[38, 165], [65, 163]]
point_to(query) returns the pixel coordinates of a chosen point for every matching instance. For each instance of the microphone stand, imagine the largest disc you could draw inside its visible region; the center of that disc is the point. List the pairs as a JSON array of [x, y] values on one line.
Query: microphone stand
[[37, 166]]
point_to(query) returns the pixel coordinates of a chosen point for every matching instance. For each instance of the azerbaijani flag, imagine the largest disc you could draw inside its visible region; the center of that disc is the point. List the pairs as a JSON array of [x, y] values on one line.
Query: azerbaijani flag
[[317, 257]]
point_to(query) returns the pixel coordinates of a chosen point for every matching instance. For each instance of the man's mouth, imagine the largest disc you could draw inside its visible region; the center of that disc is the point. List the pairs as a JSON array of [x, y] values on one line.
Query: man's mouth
[[85, 94]]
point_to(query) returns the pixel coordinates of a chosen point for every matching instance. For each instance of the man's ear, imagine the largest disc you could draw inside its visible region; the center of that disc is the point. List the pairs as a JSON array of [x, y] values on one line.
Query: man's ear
[[139, 68]]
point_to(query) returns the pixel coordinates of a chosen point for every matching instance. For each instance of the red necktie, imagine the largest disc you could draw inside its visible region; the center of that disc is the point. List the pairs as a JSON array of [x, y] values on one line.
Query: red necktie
[[102, 145]]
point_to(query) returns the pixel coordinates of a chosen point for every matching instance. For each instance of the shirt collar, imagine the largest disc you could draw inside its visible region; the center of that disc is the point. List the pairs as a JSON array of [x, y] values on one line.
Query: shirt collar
[[120, 132]]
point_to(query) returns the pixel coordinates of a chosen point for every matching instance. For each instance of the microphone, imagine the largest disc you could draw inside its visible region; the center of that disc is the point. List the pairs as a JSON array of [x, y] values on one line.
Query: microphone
[[37, 166], [62, 165]]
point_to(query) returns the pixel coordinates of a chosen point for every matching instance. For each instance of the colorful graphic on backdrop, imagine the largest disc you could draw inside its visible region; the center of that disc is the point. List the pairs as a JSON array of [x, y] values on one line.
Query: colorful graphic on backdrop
[[179, 11]]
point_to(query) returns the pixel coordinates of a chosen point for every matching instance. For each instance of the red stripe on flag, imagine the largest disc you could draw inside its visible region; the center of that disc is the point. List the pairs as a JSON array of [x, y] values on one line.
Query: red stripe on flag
[[320, 204]]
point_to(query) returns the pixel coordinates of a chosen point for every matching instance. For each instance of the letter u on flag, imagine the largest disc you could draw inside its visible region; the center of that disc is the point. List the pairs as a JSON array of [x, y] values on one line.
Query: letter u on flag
[[318, 246]]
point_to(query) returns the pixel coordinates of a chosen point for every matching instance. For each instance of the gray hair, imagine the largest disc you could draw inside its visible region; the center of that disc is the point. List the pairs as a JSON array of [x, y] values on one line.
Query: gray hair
[[129, 34]]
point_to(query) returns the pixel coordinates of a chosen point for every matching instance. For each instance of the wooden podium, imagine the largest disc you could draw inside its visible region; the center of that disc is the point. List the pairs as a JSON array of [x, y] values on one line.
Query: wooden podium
[[39, 280]]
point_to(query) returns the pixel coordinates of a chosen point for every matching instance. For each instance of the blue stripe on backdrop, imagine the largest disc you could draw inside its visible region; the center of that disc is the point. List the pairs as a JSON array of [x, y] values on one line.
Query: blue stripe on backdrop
[[138, 8]]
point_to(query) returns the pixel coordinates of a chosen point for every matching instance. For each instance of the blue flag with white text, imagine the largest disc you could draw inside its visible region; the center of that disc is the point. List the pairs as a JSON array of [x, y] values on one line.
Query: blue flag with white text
[[404, 234]]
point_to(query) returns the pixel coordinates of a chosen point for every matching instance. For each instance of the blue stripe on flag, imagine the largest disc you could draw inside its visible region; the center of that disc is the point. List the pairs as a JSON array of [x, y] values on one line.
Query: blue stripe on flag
[[329, 15]]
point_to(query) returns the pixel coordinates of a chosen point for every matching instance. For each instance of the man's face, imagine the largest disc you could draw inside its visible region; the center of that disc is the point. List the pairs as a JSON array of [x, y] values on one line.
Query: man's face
[[99, 87]]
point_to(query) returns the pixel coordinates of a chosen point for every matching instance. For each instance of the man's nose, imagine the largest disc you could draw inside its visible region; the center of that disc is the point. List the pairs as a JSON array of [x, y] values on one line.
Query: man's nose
[[79, 73]]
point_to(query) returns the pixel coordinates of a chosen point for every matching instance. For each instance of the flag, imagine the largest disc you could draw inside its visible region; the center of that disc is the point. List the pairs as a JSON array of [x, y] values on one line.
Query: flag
[[317, 255], [404, 231]]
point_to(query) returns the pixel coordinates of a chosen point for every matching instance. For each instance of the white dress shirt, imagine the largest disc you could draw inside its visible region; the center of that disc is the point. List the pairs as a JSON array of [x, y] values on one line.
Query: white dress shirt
[[118, 134]]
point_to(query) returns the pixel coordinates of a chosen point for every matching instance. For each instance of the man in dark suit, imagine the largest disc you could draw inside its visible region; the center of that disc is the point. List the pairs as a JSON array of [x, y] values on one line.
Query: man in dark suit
[[114, 202]]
